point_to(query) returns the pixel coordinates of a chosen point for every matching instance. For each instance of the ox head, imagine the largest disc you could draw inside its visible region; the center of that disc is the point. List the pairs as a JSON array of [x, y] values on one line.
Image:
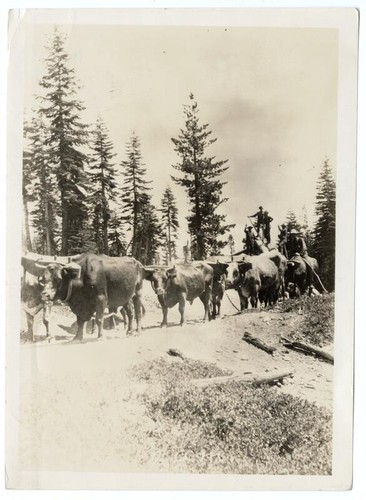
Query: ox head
[[220, 270], [158, 278], [56, 280], [233, 275], [293, 291]]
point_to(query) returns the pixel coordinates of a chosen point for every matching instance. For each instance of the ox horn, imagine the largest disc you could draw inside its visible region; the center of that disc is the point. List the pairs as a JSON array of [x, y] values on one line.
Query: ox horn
[[40, 266], [74, 267]]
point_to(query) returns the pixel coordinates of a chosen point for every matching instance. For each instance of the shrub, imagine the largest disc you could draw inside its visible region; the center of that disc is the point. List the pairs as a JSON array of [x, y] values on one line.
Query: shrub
[[161, 369], [237, 429], [317, 325]]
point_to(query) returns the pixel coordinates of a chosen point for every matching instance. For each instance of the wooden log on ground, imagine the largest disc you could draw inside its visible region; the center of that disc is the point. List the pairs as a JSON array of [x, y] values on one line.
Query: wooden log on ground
[[256, 381], [308, 349], [258, 343], [176, 352]]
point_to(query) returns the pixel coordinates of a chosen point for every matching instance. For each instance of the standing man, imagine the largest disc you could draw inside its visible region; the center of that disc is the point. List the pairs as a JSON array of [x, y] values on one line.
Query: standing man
[[249, 239], [297, 244], [259, 215], [267, 219], [282, 240]]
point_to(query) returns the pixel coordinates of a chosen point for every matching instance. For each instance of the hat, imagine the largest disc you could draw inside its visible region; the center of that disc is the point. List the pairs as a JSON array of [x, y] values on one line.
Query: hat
[[260, 208], [265, 212], [283, 225], [293, 231], [250, 227]]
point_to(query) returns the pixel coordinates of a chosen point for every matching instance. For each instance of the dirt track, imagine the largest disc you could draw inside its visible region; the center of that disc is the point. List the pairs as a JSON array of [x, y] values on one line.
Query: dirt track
[[79, 403]]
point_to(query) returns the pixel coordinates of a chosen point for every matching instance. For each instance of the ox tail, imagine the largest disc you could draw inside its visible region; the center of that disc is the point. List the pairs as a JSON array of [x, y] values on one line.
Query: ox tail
[[320, 282]]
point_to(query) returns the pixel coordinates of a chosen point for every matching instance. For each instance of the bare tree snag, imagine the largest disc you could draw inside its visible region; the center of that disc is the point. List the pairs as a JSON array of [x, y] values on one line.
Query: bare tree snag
[[308, 349], [256, 381], [258, 343]]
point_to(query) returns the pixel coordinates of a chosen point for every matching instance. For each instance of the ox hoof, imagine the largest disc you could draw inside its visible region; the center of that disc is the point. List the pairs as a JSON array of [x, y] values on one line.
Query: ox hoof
[[163, 325], [77, 340], [50, 339], [129, 333]]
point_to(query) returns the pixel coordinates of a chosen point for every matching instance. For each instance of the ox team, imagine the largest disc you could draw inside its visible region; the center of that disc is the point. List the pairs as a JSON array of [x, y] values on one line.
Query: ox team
[[89, 284]]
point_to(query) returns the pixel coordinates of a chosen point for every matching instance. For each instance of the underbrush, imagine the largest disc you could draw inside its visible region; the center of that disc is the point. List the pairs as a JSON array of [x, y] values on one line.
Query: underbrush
[[317, 326], [237, 429], [161, 370]]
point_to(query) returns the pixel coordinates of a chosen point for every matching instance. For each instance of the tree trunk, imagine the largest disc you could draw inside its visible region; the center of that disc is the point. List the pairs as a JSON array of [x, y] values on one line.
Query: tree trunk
[[197, 229], [27, 236], [47, 229], [65, 224]]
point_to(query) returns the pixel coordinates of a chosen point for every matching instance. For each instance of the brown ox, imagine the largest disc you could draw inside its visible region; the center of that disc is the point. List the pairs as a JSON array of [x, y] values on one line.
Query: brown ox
[[181, 283], [31, 294], [91, 283], [256, 277], [218, 285]]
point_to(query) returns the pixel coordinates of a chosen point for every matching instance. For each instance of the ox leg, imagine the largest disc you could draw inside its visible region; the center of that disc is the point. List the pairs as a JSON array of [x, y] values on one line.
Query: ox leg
[[80, 330], [100, 307], [181, 306], [129, 313], [124, 316], [214, 311], [165, 312], [137, 305], [30, 323], [46, 319], [206, 302]]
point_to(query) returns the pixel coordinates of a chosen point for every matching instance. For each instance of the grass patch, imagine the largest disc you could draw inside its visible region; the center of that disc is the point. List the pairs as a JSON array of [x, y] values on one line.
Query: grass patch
[[161, 370], [240, 430], [317, 326]]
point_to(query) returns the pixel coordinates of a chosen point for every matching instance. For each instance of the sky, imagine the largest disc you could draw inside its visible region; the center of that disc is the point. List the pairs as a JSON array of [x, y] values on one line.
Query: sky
[[269, 96]]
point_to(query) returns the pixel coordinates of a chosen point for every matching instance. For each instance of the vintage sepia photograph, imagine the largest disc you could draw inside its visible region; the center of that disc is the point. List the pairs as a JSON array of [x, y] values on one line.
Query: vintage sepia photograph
[[178, 297]]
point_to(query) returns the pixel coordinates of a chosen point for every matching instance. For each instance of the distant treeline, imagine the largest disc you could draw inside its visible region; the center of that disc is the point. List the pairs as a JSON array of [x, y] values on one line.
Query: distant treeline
[[76, 198]]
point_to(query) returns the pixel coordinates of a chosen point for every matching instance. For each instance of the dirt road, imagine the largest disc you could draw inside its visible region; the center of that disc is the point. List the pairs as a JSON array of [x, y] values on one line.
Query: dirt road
[[85, 393]]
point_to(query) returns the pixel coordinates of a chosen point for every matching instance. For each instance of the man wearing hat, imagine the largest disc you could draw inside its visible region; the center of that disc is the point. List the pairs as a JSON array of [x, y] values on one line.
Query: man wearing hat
[[267, 219], [282, 240], [297, 244], [259, 215], [249, 239]]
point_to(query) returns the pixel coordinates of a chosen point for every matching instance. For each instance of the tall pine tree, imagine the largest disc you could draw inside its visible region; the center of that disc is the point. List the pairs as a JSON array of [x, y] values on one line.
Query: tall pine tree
[[68, 136], [325, 227], [292, 222], [201, 179], [169, 216], [103, 179], [117, 241], [43, 188], [27, 181], [149, 232], [135, 191]]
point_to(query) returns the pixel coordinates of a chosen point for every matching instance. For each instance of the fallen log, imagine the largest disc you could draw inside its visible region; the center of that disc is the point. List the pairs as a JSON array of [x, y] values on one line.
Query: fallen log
[[256, 381], [175, 352], [248, 337], [307, 349]]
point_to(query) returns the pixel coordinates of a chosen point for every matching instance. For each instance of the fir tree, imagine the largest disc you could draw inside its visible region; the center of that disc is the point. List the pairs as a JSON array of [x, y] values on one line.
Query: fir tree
[[43, 188], [149, 232], [135, 191], [325, 227], [117, 242], [201, 179], [169, 216], [104, 184], [67, 138], [231, 244], [292, 222], [306, 231], [27, 180]]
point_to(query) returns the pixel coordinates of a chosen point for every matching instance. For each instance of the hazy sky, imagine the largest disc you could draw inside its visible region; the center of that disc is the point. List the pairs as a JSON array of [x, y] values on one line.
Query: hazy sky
[[268, 94]]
